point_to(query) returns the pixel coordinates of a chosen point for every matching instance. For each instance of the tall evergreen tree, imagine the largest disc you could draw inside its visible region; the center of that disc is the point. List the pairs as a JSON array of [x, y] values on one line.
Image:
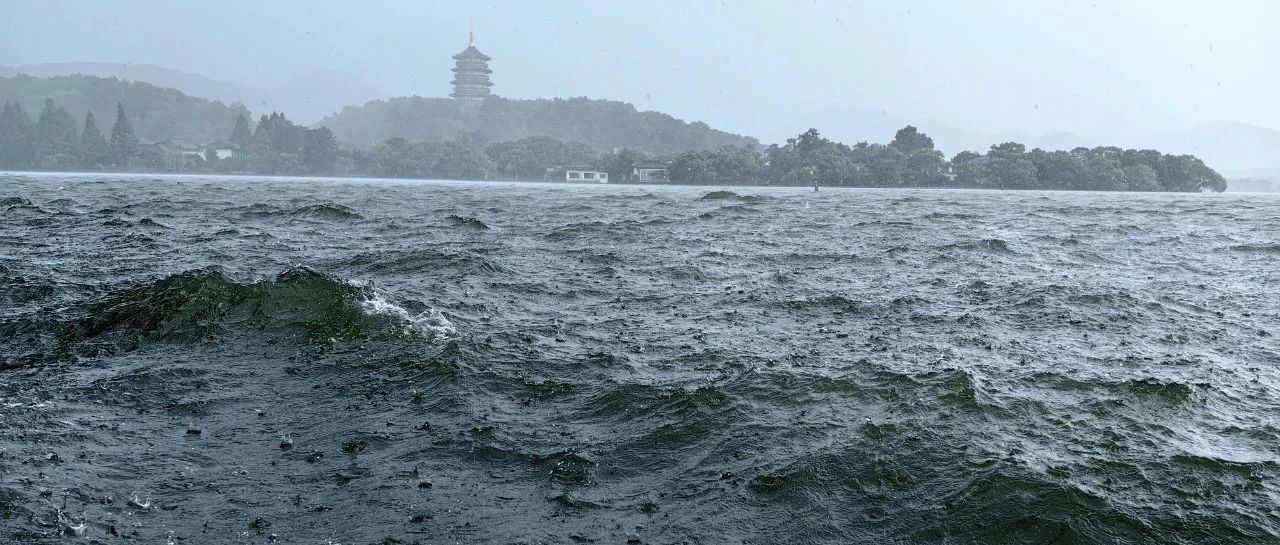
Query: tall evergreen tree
[[94, 149], [17, 137], [240, 135], [90, 134], [124, 145]]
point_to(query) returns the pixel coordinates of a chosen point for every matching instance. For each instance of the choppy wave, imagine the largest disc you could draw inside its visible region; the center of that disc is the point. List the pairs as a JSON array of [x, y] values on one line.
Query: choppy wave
[[1258, 248], [993, 245], [729, 196], [425, 260], [637, 365], [14, 201]]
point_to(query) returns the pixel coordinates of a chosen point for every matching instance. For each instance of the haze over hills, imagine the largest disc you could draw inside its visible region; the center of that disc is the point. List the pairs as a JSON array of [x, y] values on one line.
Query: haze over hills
[[312, 96], [1234, 148], [1239, 150], [161, 113], [157, 113], [853, 125], [305, 98]]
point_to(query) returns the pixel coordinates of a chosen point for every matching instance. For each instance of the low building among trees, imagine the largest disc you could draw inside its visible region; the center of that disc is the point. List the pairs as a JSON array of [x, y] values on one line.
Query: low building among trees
[[578, 173], [650, 172]]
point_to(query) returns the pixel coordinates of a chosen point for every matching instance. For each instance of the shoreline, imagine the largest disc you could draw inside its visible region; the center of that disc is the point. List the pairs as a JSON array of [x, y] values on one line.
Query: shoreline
[[804, 188]]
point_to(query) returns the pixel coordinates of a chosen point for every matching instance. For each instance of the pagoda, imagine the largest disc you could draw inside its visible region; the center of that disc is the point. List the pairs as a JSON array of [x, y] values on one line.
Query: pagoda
[[471, 74]]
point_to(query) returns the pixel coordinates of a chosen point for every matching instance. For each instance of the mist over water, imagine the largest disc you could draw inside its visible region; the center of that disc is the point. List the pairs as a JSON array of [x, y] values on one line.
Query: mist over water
[[213, 360]]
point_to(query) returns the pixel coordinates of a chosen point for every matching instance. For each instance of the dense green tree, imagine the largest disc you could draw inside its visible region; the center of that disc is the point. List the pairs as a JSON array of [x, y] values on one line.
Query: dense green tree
[[280, 146], [885, 166], [737, 164], [1140, 177], [1187, 173], [1009, 169], [1060, 169], [693, 167], [620, 163], [458, 161], [910, 160], [921, 166], [57, 142], [400, 158], [909, 139], [1147, 157], [964, 157], [811, 159], [319, 151], [803, 175], [969, 168], [831, 165], [1007, 150], [17, 137], [124, 144], [528, 158], [1106, 174], [726, 164]]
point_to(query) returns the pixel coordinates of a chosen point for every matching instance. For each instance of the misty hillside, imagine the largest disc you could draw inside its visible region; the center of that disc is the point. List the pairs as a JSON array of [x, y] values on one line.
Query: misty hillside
[[306, 98], [196, 85], [157, 113], [601, 124]]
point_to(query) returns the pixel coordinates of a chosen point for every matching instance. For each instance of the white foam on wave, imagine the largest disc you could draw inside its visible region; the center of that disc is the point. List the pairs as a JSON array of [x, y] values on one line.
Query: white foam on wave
[[430, 323]]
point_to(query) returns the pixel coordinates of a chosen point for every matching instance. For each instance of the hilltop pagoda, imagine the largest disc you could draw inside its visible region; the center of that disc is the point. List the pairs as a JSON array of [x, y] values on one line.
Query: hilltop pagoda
[[471, 74]]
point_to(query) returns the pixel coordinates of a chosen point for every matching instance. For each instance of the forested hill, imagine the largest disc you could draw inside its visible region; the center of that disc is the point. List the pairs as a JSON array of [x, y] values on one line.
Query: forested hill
[[601, 124], [157, 113]]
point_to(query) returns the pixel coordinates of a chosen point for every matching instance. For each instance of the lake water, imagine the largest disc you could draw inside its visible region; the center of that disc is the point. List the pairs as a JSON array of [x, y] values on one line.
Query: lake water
[[213, 360]]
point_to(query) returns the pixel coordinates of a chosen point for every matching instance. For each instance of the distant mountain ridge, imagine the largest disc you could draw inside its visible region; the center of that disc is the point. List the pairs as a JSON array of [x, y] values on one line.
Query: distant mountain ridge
[[305, 99], [1235, 148]]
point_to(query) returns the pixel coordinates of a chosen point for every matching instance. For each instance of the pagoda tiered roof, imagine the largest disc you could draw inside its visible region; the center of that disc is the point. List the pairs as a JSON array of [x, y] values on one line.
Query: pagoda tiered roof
[[471, 53]]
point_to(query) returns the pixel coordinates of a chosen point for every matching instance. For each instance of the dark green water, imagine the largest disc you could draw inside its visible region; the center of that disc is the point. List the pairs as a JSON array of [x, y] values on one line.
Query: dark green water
[[205, 360]]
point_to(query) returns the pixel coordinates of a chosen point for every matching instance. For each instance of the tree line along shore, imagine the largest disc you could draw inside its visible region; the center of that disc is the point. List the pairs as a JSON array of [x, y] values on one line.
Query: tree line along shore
[[54, 140]]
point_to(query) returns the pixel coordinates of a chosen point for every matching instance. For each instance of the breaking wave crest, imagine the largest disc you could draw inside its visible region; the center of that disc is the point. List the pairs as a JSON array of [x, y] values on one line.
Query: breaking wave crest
[[327, 211], [205, 305], [467, 221], [322, 211]]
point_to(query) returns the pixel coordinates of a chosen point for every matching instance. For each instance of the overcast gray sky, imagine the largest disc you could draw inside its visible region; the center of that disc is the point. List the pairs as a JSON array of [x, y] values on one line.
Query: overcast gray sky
[[1095, 68]]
